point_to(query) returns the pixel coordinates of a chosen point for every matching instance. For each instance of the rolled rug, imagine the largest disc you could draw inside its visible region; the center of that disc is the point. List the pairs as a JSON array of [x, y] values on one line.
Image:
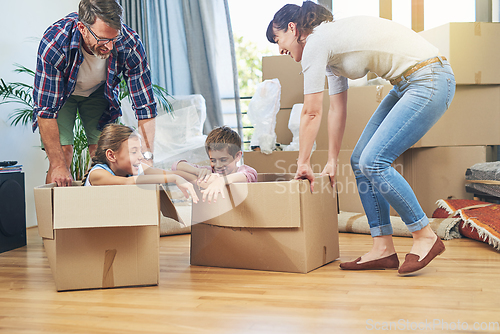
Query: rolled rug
[[445, 228]]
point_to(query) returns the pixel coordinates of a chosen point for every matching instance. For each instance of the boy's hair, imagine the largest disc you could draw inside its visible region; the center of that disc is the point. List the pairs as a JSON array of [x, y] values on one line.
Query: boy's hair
[[109, 11], [111, 138], [223, 137]]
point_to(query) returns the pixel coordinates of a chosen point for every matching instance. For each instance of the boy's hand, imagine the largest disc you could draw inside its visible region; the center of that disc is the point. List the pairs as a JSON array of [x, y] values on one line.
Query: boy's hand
[[216, 186], [209, 179], [186, 188], [203, 175]]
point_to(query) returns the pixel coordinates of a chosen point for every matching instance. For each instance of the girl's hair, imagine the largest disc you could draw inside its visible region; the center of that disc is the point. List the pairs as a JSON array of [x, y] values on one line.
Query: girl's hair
[[307, 17], [109, 11], [111, 138], [223, 137]]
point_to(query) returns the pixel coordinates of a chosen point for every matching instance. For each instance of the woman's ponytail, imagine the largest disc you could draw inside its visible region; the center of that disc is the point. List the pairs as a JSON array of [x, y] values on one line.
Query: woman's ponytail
[[312, 15], [307, 17]]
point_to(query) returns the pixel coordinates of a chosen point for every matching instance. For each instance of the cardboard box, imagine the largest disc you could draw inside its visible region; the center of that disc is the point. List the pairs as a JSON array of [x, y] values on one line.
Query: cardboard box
[[280, 162], [457, 127], [473, 118], [439, 172], [274, 224], [361, 104], [100, 237], [433, 173], [284, 135], [347, 189], [471, 48], [289, 73]]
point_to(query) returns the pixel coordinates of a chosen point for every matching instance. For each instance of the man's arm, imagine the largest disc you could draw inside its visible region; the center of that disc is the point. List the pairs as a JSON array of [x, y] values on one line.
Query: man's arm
[[147, 129], [138, 77], [58, 171]]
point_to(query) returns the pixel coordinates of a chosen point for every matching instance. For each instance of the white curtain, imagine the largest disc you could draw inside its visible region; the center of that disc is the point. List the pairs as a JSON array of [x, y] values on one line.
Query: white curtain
[[190, 49]]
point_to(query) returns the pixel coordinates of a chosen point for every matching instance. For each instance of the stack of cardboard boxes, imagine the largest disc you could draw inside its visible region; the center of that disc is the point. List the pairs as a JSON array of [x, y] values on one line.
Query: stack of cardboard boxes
[[435, 166]]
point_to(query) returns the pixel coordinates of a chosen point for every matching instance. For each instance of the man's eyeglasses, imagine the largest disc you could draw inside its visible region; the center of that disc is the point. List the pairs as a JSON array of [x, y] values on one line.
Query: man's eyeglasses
[[103, 41]]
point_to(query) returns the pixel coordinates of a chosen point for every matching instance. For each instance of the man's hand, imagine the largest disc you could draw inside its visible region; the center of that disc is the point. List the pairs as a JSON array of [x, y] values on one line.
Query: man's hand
[[59, 157], [60, 175], [304, 171]]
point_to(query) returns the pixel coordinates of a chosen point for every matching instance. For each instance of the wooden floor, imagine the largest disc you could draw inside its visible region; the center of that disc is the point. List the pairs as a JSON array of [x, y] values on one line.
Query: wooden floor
[[460, 288]]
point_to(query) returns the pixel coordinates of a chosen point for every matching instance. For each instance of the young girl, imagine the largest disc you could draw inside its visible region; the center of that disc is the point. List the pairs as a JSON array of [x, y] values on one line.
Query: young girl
[[424, 86], [118, 160]]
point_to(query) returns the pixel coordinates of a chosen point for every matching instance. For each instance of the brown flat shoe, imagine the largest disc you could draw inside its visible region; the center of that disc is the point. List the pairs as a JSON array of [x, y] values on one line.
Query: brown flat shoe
[[412, 262], [388, 262]]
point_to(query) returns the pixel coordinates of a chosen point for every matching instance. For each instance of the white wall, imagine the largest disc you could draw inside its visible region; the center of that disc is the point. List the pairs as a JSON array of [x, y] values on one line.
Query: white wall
[[22, 24]]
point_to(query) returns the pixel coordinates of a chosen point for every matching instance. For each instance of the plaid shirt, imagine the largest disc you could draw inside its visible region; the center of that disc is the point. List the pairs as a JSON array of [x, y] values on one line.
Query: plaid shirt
[[58, 61]]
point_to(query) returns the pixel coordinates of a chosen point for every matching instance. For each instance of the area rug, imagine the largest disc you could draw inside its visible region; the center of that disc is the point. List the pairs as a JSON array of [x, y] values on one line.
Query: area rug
[[445, 228], [479, 220]]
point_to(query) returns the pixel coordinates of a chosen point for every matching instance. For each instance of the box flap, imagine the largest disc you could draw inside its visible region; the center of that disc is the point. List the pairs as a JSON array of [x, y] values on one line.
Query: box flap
[[44, 207], [105, 206], [253, 205], [167, 208]]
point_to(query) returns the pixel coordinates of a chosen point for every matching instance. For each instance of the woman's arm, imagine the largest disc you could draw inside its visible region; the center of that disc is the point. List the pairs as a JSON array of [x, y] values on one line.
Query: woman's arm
[[336, 125], [310, 120]]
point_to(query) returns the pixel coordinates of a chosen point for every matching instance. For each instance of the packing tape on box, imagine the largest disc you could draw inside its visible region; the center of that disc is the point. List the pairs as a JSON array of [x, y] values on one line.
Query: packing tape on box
[[378, 95], [108, 280], [492, 182], [477, 29], [477, 77]]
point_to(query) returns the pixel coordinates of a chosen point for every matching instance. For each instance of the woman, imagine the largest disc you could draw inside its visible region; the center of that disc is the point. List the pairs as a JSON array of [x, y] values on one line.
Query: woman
[[424, 86]]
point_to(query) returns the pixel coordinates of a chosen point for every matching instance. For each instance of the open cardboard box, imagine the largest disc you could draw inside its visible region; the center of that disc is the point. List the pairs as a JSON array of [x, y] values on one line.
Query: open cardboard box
[[275, 224], [280, 162], [101, 237]]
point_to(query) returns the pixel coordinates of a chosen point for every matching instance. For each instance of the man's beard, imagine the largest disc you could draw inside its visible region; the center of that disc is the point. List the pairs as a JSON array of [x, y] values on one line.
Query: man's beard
[[96, 52]]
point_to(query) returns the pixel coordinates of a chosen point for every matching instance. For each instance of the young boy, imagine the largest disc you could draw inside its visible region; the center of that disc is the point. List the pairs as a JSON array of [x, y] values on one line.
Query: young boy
[[223, 147]]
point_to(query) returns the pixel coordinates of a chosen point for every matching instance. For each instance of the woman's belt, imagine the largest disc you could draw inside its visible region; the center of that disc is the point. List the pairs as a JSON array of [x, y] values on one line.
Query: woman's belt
[[415, 68]]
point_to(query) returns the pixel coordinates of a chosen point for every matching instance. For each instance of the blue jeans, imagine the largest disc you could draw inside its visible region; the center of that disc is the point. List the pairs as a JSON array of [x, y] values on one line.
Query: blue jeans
[[410, 109]]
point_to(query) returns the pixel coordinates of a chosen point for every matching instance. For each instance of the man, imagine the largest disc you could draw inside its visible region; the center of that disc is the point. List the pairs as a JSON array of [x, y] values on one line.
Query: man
[[79, 61]]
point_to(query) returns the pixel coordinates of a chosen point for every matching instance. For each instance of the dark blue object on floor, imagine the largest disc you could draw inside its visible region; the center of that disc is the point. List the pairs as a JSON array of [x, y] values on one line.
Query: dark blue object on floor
[[12, 211]]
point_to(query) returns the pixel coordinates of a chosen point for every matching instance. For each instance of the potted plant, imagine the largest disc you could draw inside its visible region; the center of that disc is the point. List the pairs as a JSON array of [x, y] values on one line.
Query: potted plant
[[21, 93]]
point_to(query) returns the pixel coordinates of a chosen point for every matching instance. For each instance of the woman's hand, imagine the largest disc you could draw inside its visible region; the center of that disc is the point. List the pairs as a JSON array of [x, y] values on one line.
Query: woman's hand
[[186, 188], [215, 188], [304, 172], [330, 170]]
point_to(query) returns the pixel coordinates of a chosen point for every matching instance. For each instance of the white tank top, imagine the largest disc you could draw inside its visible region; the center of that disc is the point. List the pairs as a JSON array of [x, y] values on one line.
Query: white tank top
[[91, 75]]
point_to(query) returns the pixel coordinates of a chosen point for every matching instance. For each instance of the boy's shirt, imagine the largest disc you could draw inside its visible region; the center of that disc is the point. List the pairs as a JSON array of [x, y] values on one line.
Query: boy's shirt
[[249, 172]]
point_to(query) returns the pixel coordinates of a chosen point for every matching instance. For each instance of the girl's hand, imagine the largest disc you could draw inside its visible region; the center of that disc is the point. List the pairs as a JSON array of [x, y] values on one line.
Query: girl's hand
[[214, 188], [186, 188], [304, 172], [330, 170]]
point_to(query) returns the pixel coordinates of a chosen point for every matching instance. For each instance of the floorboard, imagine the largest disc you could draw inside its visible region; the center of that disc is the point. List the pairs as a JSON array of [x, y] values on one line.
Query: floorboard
[[459, 290]]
